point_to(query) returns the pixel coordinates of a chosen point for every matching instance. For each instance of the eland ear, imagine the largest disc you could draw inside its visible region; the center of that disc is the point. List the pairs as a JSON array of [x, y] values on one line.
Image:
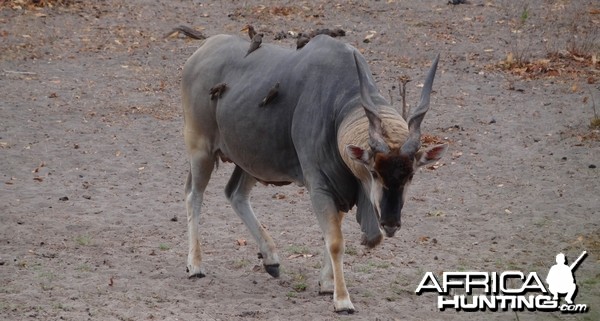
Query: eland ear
[[430, 154], [358, 154]]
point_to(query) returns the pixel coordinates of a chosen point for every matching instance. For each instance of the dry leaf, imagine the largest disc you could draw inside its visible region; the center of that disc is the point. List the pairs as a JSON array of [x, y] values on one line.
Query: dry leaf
[[436, 213], [241, 242], [278, 196], [37, 169]]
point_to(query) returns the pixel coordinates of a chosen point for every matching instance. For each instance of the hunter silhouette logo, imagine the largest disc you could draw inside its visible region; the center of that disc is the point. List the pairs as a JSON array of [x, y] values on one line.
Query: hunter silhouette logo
[[508, 290], [560, 278]]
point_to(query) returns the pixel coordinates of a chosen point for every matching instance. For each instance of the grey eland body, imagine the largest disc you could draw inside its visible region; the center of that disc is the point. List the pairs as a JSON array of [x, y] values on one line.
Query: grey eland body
[[329, 130]]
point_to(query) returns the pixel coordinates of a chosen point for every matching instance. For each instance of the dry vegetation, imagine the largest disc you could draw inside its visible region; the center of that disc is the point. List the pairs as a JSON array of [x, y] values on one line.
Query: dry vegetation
[[32, 4], [577, 56]]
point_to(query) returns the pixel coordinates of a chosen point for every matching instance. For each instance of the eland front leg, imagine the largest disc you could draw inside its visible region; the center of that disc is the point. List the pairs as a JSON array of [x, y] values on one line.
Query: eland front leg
[[332, 273]]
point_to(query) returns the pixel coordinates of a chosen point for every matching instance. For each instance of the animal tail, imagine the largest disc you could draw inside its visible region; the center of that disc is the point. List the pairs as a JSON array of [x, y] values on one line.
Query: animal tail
[[188, 31]]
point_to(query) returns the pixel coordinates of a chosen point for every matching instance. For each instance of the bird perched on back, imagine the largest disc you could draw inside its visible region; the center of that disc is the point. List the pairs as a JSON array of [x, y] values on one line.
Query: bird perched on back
[[255, 43], [332, 33], [251, 31], [217, 90], [302, 40], [270, 96]]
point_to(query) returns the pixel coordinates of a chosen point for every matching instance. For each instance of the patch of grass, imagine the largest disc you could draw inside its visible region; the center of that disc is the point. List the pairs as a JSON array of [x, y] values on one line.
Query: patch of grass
[[371, 265], [291, 294], [524, 14], [299, 287], [299, 283], [504, 266], [83, 240], [60, 306], [382, 265], [591, 283], [46, 279], [591, 315], [164, 247], [350, 250], [46, 275], [542, 222], [238, 264], [401, 280], [84, 268], [364, 268], [297, 249]]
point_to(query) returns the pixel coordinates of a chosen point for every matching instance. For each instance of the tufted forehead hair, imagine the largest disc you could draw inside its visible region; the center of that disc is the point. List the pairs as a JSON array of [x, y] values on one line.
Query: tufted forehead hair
[[394, 167]]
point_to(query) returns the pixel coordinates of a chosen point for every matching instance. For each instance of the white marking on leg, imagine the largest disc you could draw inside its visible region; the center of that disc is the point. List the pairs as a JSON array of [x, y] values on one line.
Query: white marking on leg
[[326, 284]]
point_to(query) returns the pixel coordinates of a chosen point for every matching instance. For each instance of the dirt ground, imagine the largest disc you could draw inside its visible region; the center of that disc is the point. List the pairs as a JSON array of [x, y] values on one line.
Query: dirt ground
[[92, 162]]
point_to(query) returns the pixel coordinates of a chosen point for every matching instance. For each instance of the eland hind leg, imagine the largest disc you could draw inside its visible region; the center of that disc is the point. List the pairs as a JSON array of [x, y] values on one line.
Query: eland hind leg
[[237, 192], [201, 167]]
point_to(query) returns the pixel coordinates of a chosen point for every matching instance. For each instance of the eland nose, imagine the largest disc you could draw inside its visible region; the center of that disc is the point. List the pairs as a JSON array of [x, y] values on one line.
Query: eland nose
[[390, 230]]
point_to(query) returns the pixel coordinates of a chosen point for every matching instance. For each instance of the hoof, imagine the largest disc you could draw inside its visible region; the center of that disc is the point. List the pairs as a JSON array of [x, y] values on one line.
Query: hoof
[[273, 270], [345, 311], [372, 241], [198, 275]]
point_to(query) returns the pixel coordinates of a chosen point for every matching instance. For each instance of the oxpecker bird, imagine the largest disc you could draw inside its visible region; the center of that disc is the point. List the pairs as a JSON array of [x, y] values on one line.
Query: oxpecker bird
[[302, 41], [255, 44], [217, 90], [270, 96], [251, 31]]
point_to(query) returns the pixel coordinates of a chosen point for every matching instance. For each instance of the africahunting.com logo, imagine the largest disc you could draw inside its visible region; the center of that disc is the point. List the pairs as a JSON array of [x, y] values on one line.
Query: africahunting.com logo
[[509, 290]]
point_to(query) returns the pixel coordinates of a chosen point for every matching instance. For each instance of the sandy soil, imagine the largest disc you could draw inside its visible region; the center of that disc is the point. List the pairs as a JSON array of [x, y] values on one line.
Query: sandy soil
[[92, 162]]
